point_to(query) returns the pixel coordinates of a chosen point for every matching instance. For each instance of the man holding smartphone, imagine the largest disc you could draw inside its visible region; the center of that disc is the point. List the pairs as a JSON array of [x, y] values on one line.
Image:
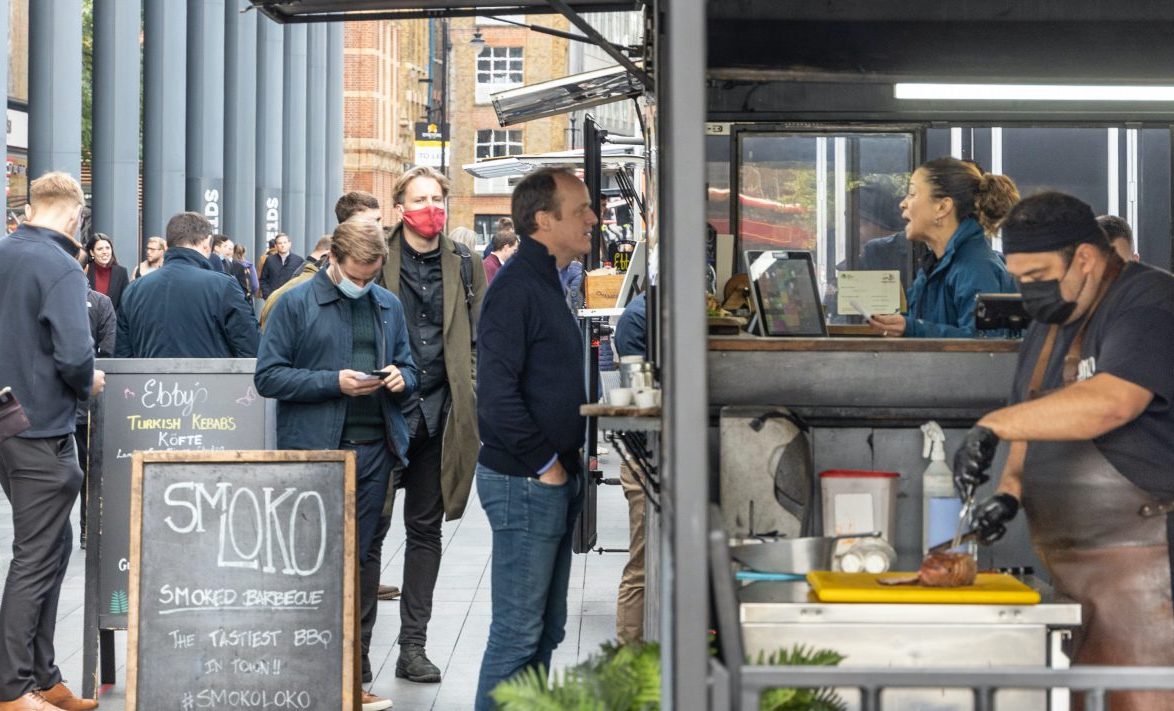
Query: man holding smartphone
[[335, 356], [47, 357]]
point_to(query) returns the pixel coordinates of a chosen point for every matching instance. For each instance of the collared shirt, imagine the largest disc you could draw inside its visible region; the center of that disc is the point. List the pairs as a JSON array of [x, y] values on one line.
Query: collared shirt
[[421, 289]]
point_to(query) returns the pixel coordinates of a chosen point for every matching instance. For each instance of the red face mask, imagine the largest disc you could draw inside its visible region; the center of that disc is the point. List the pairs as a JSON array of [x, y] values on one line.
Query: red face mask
[[426, 222]]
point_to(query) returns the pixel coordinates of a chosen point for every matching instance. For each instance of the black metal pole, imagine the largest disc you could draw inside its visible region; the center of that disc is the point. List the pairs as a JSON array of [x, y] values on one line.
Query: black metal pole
[[445, 49]]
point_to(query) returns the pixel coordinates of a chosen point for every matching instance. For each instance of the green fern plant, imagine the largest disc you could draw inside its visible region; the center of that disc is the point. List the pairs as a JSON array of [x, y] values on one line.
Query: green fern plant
[[800, 699], [617, 678], [627, 678]]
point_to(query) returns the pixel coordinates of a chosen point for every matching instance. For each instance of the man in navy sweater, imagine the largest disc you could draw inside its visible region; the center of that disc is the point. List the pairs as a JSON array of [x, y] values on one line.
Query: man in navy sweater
[[47, 358], [529, 388]]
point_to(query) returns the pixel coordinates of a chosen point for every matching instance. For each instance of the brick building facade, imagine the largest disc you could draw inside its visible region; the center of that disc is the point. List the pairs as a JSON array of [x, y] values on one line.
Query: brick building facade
[[477, 71], [384, 97]]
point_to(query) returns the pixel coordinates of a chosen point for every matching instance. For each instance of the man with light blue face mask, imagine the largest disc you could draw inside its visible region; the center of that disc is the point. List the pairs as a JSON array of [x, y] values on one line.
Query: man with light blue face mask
[[335, 355]]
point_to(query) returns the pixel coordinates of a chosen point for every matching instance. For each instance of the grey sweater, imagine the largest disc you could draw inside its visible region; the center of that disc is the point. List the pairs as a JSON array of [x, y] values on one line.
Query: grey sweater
[[46, 352]]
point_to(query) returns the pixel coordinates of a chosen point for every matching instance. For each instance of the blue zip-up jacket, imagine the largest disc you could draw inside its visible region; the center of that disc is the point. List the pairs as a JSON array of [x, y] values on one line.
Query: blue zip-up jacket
[[46, 352], [530, 380], [941, 304], [632, 328], [307, 341], [185, 309]]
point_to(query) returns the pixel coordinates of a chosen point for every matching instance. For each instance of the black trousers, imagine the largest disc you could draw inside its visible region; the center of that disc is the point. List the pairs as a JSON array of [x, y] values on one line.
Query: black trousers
[[41, 479], [81, 437], [423, 516]]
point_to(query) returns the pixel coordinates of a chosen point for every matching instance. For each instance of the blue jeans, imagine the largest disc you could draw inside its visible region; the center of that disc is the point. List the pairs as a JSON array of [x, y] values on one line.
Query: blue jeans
[[373, 463], [532, 526]]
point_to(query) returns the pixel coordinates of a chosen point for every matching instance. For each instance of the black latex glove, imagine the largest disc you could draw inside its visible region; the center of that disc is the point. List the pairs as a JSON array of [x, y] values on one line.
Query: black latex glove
[[972, 460], [991, 515]]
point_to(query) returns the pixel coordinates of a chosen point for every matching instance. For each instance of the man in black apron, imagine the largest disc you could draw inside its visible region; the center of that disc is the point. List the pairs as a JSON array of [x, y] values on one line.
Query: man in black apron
[[1091, 428]]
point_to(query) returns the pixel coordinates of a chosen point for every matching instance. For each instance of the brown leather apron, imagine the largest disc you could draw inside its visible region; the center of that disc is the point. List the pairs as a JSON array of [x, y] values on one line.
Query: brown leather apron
[[1106, 544]]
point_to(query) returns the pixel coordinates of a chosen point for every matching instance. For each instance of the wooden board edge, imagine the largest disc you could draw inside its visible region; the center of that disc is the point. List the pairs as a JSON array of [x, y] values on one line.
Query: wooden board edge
[[132, 620], [351, 678], [259, 456]]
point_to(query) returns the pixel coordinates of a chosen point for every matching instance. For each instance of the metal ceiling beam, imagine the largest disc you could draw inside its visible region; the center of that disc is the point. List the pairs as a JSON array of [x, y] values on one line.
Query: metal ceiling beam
[[592, 34], [287, 12]]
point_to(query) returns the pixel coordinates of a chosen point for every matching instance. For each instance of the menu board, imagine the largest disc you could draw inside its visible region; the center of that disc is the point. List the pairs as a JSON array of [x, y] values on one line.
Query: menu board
[[158, 405], [242, 581]]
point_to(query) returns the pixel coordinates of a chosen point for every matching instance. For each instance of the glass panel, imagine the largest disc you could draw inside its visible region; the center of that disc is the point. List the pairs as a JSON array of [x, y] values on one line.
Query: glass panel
[[1071, 160], [717, 179], [830, 194], [1152, 231]]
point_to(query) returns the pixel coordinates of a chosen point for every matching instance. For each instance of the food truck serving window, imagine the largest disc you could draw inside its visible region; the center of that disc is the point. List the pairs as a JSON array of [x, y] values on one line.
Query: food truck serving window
[[829, 193]]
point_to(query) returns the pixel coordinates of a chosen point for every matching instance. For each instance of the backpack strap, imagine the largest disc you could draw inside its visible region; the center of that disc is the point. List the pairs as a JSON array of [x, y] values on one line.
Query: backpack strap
[[466, 272]]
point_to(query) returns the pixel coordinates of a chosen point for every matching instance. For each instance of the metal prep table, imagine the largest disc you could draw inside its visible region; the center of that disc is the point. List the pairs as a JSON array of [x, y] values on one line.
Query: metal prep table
[[775, 615]]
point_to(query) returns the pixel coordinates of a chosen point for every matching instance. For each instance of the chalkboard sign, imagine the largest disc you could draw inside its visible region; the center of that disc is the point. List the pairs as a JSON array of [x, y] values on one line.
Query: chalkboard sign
[[157, 405], [242, 581]]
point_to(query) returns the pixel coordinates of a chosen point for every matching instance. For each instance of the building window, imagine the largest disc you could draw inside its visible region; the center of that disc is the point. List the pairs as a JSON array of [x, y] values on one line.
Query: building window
[[485, 226], [498, 69], [492, 143], [495, 143]]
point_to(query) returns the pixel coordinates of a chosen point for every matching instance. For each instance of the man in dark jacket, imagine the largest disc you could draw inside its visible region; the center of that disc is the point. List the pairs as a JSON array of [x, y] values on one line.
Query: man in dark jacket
[[103, 329], [47, 358], [440, 286], [279, 267], [335, 356], [185, 309], [529, 390]]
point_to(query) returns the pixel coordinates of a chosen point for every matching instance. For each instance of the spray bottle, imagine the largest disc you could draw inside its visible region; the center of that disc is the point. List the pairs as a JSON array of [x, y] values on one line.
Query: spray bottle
[[940, 505]]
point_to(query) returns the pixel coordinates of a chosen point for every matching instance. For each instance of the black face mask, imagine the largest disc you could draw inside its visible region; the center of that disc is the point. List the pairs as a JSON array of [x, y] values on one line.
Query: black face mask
[[1043, 301]]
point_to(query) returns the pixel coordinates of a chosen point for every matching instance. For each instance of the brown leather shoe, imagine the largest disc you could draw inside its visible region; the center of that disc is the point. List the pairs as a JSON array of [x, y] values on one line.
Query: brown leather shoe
[[388, 592], [61, 696], [32, 701]]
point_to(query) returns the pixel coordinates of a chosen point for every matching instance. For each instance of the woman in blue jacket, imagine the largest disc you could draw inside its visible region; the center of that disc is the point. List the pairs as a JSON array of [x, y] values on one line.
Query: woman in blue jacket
[[953, 208]]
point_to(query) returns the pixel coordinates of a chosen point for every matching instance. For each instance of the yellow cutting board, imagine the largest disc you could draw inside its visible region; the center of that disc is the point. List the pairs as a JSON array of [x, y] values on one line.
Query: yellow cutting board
[[988, 589]]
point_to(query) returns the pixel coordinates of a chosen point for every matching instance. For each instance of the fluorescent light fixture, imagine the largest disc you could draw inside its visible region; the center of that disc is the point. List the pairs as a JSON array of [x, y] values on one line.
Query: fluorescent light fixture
[[1032, 92]]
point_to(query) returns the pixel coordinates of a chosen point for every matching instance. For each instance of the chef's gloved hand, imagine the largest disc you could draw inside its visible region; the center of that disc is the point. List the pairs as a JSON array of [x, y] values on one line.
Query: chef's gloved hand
[[972, 460], [991, 515]]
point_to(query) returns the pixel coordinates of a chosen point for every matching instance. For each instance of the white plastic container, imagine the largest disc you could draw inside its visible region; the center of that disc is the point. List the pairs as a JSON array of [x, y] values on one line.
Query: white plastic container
[[858, 501]]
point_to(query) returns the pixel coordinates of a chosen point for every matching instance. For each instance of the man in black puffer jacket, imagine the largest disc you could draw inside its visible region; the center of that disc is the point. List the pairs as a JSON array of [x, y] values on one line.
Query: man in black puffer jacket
[[186, 309]]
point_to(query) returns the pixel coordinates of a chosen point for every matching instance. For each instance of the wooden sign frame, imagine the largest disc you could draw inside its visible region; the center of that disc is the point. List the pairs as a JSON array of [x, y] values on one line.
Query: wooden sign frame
[[350, 658]]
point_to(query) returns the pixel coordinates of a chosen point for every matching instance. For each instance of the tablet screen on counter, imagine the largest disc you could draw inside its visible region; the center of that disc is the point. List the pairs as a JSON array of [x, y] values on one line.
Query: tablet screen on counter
[[785, 293]]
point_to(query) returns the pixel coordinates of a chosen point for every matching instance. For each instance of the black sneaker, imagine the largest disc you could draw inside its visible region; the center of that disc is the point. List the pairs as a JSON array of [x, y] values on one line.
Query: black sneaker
[[414, 665]]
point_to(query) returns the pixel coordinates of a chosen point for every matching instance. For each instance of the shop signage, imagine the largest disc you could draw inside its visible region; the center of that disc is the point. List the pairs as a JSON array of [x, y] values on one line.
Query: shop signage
[[431, 144], [242, 581]]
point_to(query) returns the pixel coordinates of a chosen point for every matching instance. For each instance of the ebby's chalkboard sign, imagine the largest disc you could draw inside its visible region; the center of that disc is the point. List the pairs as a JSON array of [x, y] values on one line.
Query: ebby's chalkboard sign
[[242, 581], [157, 405]]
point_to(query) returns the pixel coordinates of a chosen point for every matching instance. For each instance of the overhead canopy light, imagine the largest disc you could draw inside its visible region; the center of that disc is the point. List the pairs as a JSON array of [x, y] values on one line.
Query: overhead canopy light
[[614, 158], [559, 96], [1031, 92]]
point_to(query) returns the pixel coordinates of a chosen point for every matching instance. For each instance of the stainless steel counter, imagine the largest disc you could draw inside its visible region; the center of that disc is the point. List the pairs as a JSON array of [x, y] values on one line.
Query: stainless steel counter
[[775, 615], [864, 378]]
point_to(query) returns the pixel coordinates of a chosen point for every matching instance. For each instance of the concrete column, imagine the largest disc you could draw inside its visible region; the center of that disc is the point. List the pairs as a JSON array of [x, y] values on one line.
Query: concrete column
[[293, 116], [116, 125], [268, 213], [55, 87], [165, 104], [334, 129], [205, 115], [315, 134], [240, 122]]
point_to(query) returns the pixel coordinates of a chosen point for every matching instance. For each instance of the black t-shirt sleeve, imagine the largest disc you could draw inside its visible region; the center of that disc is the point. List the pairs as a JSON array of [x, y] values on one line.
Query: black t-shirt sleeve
[[1136, 347]]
